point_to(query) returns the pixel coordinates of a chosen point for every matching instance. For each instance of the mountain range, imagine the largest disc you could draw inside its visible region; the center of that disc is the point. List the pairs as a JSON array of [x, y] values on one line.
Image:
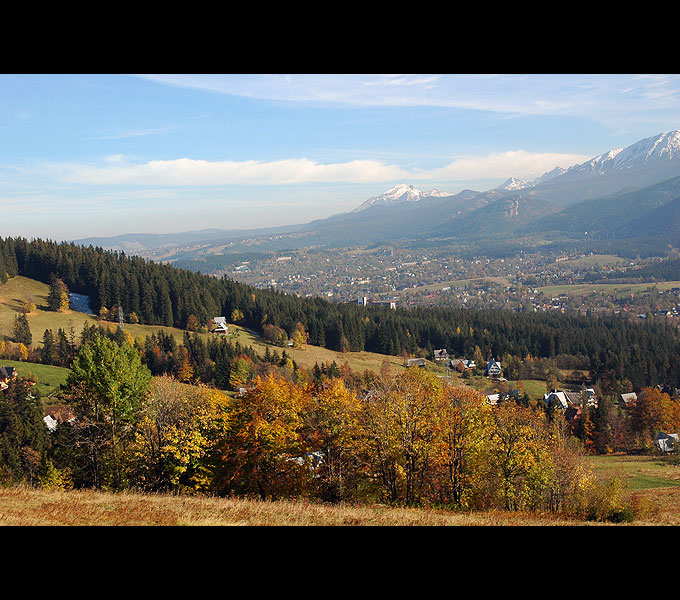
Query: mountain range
[[630, 192]]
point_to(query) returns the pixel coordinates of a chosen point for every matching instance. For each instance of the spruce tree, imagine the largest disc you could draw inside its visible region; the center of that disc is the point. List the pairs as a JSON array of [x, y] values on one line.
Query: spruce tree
[[21, 332]]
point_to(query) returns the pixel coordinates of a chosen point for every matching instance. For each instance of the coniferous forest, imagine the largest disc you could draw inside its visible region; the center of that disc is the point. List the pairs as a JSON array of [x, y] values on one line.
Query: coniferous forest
[[645, 353]]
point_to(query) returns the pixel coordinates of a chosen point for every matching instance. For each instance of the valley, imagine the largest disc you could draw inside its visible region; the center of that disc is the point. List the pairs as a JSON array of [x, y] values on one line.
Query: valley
[[581, 239]]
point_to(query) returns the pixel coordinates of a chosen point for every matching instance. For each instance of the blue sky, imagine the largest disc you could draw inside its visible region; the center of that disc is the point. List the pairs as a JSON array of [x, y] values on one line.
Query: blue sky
[[85, 154]]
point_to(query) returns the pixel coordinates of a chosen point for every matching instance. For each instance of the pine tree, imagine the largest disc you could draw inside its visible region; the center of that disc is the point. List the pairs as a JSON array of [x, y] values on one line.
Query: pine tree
[[57, 299], [48, 353], [21, 332]]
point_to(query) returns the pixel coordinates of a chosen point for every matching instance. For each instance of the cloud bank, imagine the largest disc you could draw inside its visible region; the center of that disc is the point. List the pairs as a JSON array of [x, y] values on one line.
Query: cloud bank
[[196, 172]]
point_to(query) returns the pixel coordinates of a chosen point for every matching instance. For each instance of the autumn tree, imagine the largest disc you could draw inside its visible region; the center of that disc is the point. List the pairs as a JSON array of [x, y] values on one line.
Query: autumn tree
[[399, 419], [520, 468], [263, 453], [192, 323], [275, 334], [654, 411], [241, 371], [463, 419], [57, 298], [27, 306], [175, 435], [300, 337], [333, 430]]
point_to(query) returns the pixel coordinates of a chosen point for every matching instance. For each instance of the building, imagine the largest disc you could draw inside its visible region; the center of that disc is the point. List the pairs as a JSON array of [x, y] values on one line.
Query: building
[[493, 399], [441, 355], [416, 362], [566, 400], [6, 373], [666, 442], [627, 399], [557, 398], [493, 368], [220, 325], [462, 364]]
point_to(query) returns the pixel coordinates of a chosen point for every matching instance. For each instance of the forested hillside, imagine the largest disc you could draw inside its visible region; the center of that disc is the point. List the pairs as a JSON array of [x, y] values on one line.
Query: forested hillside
[[157, 294]]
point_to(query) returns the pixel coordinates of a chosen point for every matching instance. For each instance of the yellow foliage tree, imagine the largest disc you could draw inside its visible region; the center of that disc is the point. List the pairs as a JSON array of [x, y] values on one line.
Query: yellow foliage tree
[[521, 469], [399, 419], [464, 422], [300, 336], [333, 431], [179, 428]]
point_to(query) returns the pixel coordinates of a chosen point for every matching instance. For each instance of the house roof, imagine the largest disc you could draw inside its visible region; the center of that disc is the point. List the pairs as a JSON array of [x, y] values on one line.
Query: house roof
[[415, 361], [493, 398], [7, 372], [629, 397], [557, 396]]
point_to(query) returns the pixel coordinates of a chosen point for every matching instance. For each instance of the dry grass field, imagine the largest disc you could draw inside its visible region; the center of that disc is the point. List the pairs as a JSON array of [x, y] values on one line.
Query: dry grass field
[[649, 478], [20, 506], [26, 507]]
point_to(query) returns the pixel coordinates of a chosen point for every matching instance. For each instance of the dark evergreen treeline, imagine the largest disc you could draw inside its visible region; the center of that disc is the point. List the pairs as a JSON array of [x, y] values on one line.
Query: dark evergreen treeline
[[644, 353], [664, 270]]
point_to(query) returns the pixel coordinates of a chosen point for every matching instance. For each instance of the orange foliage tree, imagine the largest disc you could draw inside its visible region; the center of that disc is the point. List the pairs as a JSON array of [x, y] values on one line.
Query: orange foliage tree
[[263, 453]]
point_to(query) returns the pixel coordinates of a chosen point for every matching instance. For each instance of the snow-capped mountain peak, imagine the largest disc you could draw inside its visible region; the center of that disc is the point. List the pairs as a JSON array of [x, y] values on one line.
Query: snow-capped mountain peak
[[399, 193], [661, 148], [512, 184]]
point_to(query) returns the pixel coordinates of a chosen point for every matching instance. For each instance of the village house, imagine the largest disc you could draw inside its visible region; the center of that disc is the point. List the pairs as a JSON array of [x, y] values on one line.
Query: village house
[[6, 373], [220, 325], [416, 362], [493, 399], [462, 364], [556, 398], [493, 369], [627, 399], [565, 400], [666, 442], [441, 355]]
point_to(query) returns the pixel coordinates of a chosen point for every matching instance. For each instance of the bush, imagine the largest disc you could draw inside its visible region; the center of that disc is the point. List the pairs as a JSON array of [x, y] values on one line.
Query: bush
[[607, 502]]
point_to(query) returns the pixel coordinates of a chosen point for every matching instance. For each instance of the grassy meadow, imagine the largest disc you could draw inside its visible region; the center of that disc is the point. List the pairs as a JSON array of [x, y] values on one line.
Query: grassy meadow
[[49, 378], [619, 290], [18, 289], [648, 478]]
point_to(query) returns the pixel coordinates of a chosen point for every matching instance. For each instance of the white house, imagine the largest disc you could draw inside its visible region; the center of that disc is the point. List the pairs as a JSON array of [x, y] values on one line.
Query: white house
[[441, 354], [220, 325], [666, 442], [493, 399]]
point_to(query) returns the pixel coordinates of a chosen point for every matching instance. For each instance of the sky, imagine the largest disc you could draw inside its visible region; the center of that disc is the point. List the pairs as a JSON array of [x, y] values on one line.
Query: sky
[[87, 155]]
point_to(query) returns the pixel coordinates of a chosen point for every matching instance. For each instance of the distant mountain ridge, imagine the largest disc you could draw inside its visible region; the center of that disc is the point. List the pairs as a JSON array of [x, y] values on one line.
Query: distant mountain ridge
[[604, 196], [401, 192]]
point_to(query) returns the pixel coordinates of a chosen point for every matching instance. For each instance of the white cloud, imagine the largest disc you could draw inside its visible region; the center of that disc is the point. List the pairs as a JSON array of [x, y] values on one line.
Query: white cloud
[[195, 172], [513, 163]]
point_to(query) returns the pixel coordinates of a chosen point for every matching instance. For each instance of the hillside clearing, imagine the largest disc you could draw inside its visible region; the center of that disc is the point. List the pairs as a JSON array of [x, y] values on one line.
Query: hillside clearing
[[49, 377], [19, 288]]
